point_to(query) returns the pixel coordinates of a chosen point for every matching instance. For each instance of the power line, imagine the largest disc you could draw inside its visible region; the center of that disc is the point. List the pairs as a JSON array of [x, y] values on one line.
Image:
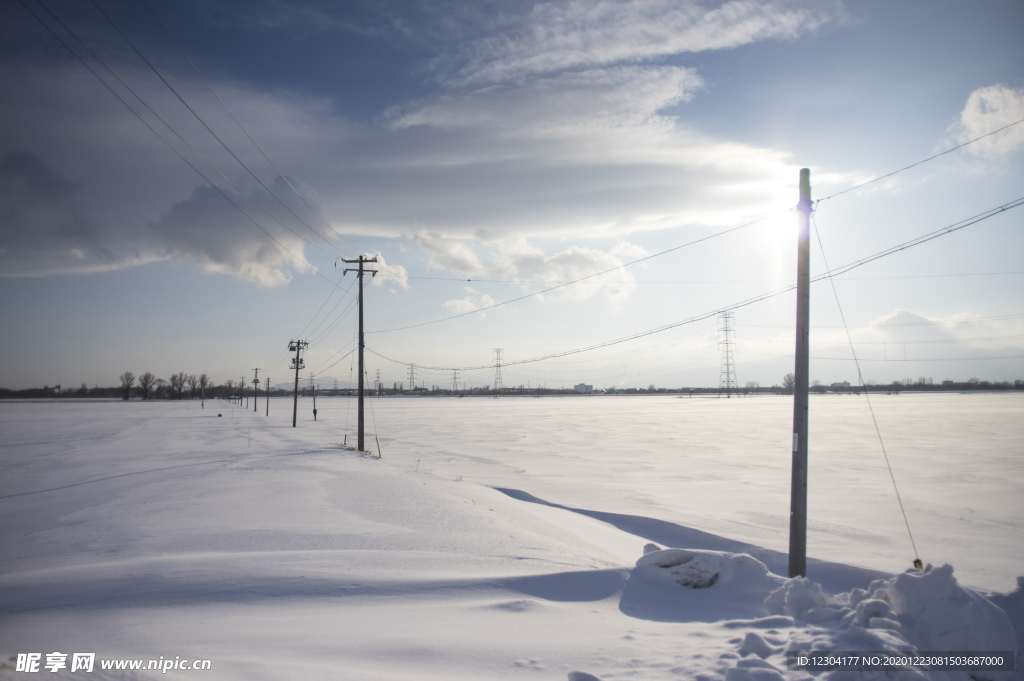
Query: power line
[[315, 372], [324, 304], [215, 136], [930, 158], [925, 238], [153, 130], [575, 281], [692, 281], [944, 340], [756, 299], [282, 176], [888, 326]]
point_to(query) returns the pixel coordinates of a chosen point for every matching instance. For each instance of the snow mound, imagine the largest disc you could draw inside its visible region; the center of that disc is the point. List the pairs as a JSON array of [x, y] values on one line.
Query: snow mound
[[697, 569], [803, 599], [942, 615], [925, 610]]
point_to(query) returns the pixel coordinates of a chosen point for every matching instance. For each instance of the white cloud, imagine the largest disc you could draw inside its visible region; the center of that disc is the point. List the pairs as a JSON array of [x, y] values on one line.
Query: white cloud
[[554, 129], [446, 254], [474, 301], [513, 256], [573, 103], [628, 251], [392, 274], [571, 35], [988, 109]]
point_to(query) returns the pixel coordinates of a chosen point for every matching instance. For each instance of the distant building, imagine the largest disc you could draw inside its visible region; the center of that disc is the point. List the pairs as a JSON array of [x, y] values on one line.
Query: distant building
[[583, 388], [844, 384], [947, 383]]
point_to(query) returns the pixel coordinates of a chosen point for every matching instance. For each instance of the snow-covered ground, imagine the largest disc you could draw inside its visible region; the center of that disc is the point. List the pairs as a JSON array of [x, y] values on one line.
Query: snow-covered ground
[[504, 538]]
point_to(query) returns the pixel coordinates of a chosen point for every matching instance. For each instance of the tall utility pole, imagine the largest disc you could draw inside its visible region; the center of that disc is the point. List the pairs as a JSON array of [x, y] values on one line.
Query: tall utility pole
[[267, 398], [498, 387], [361, 260], [378, 385], [798, 490], [455, 381], [412, 377], [255, 388], [241, 392], [297, 363], [727, 376]]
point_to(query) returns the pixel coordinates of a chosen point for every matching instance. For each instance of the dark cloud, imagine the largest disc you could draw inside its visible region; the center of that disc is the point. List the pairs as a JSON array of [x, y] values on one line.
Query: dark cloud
[[45, 228], [209, 232]]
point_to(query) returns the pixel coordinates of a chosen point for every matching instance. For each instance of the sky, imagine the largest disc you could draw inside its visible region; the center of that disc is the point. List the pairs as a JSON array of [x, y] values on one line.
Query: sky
[[155, 219]]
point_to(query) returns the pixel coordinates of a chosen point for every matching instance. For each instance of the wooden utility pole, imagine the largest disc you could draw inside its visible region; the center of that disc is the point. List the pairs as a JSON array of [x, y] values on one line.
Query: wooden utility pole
[[255, 389], [360, 272], [798, 489], [267, 397], [297, 363]]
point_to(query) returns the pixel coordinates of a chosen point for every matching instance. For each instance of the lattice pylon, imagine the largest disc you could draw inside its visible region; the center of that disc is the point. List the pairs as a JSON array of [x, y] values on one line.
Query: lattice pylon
[[498, 387], [727, 382]]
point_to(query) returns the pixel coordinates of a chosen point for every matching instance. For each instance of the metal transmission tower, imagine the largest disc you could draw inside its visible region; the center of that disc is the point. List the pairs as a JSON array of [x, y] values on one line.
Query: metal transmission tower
[[727, 376], [378, 384], [412, 378], [361, 260], [455, 381], [297, 363], [498, 387]]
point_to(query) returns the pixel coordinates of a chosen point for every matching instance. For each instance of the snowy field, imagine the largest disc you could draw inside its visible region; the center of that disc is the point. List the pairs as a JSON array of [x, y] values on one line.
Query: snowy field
[[505, 538]]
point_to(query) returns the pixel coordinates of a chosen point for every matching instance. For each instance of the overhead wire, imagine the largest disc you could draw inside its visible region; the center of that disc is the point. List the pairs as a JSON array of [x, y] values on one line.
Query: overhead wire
[[688, 281], [152, 129], [755, 299], [242, 127], [889, 326], [846, 268], [323, 305], [930, 158], [215, 135], [576, 281]]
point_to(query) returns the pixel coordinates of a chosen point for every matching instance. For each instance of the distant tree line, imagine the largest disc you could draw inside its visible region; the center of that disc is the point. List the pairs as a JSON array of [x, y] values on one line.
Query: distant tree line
[[183, 386]]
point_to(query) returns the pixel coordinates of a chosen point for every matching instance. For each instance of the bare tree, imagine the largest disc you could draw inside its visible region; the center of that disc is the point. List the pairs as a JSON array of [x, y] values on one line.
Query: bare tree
[[178, 381], [146, 381], [788, 383], [193, 385], [127, 381]]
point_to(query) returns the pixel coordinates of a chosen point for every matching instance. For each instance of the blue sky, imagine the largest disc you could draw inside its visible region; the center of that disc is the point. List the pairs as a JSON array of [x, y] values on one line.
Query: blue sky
[[512, 144]]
